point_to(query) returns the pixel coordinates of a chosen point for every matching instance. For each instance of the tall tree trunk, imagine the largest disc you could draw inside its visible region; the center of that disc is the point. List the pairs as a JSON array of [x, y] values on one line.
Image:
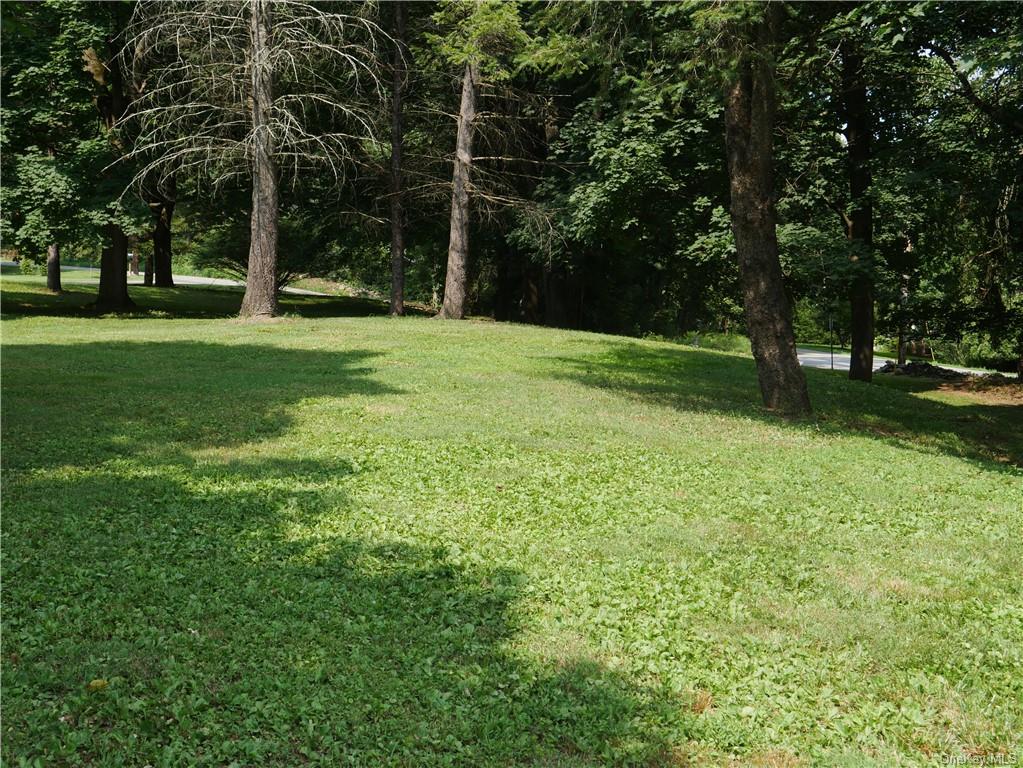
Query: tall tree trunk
[[147, 278], [261, 280], [162, 249], [53, 268], [113, 268], [397, 140], [531, 295], [555, 309], [113, 271], [860, 229], [458, 242], [749, 124], [133, 261]]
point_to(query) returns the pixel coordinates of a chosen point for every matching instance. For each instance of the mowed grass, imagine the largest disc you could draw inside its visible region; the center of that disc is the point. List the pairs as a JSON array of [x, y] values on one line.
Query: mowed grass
[[365, 541]]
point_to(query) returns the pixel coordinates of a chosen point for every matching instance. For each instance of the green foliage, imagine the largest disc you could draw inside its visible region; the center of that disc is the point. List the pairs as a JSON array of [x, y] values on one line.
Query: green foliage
[[287, 543], [61, 181], [30, 266], [487, 34], [600, 193]]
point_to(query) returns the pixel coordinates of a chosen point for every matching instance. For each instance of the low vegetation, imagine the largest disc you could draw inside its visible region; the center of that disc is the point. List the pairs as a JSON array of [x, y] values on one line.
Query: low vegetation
[[374, 541]]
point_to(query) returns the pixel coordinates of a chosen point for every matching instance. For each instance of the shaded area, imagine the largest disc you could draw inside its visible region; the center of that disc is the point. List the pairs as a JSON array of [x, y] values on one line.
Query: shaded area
[[241, 608], [137, 400], [228, 627], [20, 299], [703, 381]]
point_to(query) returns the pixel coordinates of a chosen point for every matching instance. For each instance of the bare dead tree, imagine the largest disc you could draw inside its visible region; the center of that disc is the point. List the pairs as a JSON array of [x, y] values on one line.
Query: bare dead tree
[[252, 90]]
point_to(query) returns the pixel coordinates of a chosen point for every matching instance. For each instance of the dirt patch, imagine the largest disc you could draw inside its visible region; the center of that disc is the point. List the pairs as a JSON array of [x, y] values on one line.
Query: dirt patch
[[987, 389]]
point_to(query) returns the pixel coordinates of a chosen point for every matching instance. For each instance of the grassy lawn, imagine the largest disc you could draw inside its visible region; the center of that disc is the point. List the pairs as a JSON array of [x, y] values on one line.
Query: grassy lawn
[[363, 541], [23, 296]]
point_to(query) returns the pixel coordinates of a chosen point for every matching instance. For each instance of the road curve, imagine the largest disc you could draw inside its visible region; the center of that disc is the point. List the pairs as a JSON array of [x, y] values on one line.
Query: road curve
[[816, 358]]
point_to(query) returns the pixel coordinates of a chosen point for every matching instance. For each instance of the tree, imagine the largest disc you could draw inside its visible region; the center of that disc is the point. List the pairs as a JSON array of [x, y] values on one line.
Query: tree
[[161, 201], [59, 187], [749, 127], [253, 90], [398, 78], [458, 240], [112, 101], [860, 220], [483, 39]]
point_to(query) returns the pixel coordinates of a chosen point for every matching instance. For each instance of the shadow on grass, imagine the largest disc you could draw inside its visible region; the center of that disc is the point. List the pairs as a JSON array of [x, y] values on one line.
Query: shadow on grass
[[225, 637], [233, 625], [690, 379], [24, 299], [244, 609], [82, 404]]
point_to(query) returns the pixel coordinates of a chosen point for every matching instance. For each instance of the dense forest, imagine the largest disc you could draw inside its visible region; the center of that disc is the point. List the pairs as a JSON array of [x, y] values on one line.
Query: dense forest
[[782, 171]]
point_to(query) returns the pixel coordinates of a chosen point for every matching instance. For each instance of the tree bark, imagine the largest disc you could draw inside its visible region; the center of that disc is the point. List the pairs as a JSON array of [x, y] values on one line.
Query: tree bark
[[53, 268], [162, 250], [148, 273], [458, 242], [261, 279], [113, 271], [749, 125], [860, 229], [398, 73]]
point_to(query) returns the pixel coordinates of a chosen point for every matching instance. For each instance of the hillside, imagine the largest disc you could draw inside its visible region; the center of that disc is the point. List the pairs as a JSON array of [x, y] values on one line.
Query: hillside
[[371, 541]]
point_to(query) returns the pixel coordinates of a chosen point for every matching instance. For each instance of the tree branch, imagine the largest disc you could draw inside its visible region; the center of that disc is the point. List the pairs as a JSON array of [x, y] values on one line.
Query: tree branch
[[996, 112]]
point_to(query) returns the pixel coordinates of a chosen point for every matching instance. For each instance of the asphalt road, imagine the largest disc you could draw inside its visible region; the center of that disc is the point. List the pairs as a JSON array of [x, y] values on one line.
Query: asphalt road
[[815, 358], [179, 279]]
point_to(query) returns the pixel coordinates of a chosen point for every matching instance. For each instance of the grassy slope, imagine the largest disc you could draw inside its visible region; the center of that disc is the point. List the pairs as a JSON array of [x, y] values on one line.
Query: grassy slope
[[372, 541]]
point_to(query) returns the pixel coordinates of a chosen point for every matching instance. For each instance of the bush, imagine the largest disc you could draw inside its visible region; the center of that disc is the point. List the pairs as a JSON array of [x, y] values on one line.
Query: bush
[[722, 342], [30, 266], [810, 322]]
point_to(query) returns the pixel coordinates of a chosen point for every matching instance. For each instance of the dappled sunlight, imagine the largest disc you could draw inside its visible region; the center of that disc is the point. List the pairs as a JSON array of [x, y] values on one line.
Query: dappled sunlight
[[28, 298]]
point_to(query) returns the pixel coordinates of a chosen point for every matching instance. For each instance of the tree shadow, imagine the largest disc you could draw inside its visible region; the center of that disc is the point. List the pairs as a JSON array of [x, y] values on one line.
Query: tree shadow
[[234, 618], [696, 380], [142, 400], [182, 302], [240, 606]]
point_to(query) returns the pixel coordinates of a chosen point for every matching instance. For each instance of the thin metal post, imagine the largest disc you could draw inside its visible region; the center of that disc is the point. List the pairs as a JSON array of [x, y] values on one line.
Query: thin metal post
[[831, 331]]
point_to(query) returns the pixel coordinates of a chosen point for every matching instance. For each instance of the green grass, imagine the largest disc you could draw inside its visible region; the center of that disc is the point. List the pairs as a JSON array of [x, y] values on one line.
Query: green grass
[[23, 296], [366, 541]]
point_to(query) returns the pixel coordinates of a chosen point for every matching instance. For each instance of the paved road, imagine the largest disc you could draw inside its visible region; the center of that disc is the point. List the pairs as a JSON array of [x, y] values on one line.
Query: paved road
[[218, 281], [815, 358], [181, 280]]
